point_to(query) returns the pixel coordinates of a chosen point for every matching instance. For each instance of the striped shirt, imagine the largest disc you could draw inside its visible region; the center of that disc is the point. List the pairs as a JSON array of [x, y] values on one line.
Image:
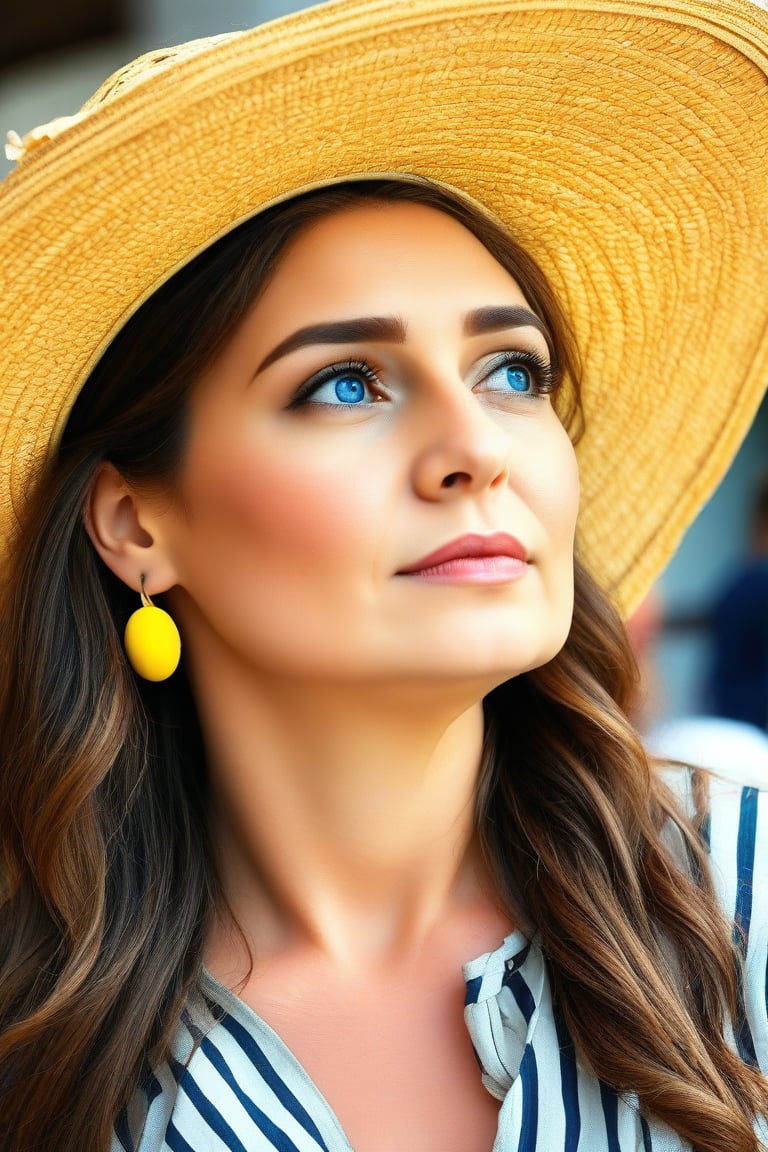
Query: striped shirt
[[231, 1084]]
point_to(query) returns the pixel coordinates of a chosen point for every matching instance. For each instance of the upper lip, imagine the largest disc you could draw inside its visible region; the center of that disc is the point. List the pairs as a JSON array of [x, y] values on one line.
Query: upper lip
[[465, 547]]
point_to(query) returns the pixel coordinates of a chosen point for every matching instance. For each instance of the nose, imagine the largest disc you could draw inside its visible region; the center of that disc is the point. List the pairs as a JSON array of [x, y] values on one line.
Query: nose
[[464, 449]]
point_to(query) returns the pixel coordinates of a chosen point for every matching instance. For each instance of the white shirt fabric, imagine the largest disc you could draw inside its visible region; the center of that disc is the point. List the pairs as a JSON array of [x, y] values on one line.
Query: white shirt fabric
[[233, 1086], [730, 748]]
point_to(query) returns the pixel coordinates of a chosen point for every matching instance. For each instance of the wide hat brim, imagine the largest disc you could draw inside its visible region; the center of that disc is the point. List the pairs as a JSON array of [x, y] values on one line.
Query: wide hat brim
[[625, 144]]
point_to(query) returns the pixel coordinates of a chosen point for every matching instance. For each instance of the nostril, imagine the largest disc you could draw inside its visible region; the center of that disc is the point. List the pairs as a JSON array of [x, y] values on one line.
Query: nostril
[[454, 478]]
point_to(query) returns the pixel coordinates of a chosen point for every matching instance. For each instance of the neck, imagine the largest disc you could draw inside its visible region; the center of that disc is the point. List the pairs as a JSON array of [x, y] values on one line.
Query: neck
[[343, 815]]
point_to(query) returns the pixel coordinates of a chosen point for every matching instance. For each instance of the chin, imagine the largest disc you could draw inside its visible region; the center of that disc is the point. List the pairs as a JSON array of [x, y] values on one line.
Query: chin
[[507, 652], [481, 675]]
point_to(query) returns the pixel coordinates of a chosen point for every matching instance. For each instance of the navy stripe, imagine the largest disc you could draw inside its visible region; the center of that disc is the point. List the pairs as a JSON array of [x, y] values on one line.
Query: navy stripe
[[529, 1078], [178, 1070], [519, 958], [123, 1132], [175, 1140], [211, 1115], [281, 1090], [521, 992], [152, 1090], [472, 990], [745, 866], [611, 1114], [278, 1137], [744, 1041], [569, 1084], [647, 1142]]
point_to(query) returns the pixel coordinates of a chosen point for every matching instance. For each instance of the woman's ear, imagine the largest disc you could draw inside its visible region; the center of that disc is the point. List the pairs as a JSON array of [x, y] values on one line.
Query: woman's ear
[[124, 532]]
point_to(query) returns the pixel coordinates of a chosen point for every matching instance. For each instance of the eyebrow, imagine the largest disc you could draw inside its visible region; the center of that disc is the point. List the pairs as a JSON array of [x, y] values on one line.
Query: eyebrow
[[392, 330], [501, 316], [389, 329]]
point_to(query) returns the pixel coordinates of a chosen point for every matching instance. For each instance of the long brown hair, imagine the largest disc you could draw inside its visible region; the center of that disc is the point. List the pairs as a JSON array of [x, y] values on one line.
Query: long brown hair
[[107, 880]]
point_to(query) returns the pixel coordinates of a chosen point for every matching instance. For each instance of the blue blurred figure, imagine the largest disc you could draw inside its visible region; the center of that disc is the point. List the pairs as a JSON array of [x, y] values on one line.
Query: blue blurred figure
[[738, 682]]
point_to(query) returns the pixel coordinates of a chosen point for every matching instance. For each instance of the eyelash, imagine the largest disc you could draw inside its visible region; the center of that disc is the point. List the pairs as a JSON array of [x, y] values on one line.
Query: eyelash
[[544, 376], [354, 367]]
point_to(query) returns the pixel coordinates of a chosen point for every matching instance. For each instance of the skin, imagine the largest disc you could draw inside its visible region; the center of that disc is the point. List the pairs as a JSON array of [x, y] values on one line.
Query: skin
[[340, 699]]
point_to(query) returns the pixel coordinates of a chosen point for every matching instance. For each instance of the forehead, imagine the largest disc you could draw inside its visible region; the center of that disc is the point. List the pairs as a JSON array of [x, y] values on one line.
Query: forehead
[[387, 255]]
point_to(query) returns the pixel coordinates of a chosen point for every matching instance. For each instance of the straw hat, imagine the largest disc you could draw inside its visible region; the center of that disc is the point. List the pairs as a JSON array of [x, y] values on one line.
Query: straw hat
[[624, 142]]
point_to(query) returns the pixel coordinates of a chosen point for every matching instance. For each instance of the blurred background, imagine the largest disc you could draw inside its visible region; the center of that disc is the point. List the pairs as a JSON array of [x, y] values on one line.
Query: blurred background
[[54, 55]]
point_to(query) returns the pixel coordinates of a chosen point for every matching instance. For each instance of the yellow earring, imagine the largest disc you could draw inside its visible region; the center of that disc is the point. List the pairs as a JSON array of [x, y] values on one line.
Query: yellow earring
[[152, 641]]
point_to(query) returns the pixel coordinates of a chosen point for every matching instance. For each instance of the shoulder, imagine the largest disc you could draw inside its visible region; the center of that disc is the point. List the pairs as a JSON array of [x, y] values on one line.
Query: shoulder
[[739, 854], [732, 749], [735, 832], [229, 1082], [143, 1125]]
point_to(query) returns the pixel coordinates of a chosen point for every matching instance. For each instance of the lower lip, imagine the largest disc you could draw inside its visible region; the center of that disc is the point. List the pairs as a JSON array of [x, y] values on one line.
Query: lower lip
[[473, 570]]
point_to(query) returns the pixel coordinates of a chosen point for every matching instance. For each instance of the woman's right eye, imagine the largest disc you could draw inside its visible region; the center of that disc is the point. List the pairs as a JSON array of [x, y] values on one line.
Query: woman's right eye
[[349, 385]]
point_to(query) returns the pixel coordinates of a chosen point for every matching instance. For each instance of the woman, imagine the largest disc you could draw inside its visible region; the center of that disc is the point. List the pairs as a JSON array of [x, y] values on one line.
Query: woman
[[322, 414]]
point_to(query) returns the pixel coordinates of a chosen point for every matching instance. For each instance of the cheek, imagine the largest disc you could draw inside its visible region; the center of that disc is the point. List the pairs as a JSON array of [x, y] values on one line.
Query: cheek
[[565, 515], [558, 502], [554, 488], [570, 492], [274, 548], [256, 504]]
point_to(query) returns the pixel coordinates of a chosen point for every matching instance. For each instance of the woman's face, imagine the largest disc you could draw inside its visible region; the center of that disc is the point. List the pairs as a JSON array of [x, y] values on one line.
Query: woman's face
[[384, 401]]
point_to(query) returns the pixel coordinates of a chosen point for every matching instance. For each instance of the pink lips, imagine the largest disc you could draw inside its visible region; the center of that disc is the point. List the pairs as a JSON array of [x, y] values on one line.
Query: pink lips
[[494, 559]]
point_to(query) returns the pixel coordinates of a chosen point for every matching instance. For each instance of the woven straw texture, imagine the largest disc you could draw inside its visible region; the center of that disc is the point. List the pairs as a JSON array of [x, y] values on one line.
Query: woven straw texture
[[624, 143]]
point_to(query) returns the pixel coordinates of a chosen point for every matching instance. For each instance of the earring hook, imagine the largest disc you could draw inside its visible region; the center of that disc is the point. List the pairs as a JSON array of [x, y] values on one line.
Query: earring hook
[[144, 597]]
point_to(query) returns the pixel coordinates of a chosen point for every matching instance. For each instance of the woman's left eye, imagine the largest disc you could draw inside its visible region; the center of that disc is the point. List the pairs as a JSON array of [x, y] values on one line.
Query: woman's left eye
[[348, 385], [523, 373]]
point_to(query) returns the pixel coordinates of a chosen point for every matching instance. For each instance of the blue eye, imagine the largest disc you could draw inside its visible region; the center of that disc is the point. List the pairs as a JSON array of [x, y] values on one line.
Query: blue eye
[[519, 379], [348, 390], [351, 384], [523, 373]]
